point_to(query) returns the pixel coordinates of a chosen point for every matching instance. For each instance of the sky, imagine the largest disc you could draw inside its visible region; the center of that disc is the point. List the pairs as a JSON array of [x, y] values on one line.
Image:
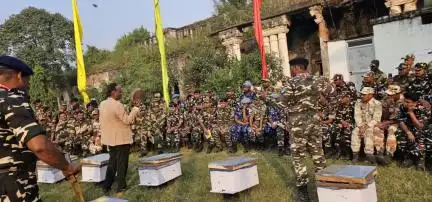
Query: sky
[[113, 18]]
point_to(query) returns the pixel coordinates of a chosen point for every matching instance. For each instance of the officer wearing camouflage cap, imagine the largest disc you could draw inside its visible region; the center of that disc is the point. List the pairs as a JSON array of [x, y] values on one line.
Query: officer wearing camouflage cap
[[23, 140], [403, 77]]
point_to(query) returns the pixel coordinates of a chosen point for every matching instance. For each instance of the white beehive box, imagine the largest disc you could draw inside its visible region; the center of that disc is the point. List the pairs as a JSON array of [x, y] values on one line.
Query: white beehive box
[[159, 169], [233, 175], [94, 168], [108, 199], [48, 174], [347, 183]]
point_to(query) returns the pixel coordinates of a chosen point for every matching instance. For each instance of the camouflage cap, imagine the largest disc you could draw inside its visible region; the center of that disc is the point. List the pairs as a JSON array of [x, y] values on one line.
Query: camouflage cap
[[421, 65], [247, 84], [338, 77], [374, 63], [402, 66], [393, 89], [367, 90], [409, 56]]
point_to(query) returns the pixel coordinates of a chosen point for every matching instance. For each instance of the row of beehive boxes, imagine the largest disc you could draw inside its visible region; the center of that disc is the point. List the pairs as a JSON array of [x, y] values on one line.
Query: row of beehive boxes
[[230, 176]]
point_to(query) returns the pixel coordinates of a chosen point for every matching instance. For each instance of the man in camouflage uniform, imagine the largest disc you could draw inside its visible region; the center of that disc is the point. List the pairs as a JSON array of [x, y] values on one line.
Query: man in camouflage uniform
[[421, 83], [247, 91], [174, 123], [139, 130], [156, 117], [300, 95], [276, 126], [343, 125], [257, 120], [64, 134], [327, 115], [224, 120], [388, 123], [409, 61], [403, 77], [240, 131], [367, 114], [95, 143], [412, 117], [343, 88], [380, 77], [83, 134], [207, 120], [22, 139], [369, 81]]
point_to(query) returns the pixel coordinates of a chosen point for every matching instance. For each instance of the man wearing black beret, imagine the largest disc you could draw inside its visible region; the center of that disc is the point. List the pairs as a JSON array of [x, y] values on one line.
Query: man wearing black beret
[[300, 95], [23, 139]]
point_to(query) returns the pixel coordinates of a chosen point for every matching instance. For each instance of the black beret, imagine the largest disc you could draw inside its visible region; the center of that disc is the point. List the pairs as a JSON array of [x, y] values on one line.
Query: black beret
[[15, 64], [299, 61]]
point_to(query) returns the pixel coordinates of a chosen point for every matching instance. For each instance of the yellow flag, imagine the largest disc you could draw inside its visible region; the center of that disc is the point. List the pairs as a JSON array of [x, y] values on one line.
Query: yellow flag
[[161, 43], [81, 74]]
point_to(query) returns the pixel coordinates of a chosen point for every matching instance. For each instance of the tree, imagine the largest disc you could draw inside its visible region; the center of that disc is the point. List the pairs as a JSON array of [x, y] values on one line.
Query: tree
[[39, 38], [138, 36], [45, 42]]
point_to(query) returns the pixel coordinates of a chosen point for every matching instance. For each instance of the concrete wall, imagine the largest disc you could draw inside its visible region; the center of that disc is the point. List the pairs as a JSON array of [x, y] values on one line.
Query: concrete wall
[[393, 40]]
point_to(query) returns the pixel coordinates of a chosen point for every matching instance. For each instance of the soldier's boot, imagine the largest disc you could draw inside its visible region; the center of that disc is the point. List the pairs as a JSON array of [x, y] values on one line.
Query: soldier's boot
[[143, 153], [281, 151], [338, 153], [200, 147], [408, 162], [287, 151], [328, 152], [218, 149], [246, 146], [381, 159], [420, 166], [371, 159], [302, 194], [188, 144], [355, 157], [209, 148]]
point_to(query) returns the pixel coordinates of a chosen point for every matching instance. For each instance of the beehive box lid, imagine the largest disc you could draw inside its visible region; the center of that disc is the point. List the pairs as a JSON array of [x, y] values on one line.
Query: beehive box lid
[[69, 158], [100, 159], [346, 174], [232, 164], [160, 159], [108, 199]]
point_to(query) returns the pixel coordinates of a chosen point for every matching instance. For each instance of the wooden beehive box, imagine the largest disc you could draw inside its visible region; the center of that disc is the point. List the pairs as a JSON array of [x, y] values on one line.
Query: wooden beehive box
[[159, 169], [343, 183], [233, 175], [94, 168], [108, 199], [50, 175]]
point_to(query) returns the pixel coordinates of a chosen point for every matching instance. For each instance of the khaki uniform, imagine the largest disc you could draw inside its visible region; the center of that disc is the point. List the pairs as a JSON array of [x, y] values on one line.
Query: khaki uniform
[[366, 115]]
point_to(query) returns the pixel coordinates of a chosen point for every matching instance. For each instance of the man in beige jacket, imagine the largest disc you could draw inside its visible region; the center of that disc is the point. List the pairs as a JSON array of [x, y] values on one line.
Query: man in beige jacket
[[115, 127]]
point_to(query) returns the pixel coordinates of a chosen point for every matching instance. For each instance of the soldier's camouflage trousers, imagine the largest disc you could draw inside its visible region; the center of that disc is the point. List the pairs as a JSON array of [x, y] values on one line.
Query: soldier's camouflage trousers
[[143, 141], [390, 144], [156, 138], [427, 131], [343, 136], [368, 137], [172, 140], [196, 138], [220, 134], [281, 135], [328, 135], [240, 133], [306, 136], [407, 147], [20, 186]]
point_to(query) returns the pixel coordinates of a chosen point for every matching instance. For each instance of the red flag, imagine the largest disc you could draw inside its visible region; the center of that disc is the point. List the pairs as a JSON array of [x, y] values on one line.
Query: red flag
[[259, 35]]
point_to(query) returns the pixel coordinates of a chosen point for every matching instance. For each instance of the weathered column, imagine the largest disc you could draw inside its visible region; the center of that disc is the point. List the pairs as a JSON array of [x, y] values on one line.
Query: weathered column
[[274, 45], [283, 53], [316, 11], [231, 39], [267, 44]]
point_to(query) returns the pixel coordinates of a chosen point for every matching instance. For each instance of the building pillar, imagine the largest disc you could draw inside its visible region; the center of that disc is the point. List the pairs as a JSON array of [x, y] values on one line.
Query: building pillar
[[267, 45], [283, 54], [274, 45], [232, 40], [316, 11]]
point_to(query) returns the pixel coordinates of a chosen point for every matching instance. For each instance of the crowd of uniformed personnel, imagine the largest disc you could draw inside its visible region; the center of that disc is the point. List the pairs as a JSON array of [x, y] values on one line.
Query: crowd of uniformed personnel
[[389, 117]]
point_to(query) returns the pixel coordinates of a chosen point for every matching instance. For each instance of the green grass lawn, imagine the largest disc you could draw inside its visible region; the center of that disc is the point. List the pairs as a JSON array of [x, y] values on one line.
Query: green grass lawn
[[276, 176]]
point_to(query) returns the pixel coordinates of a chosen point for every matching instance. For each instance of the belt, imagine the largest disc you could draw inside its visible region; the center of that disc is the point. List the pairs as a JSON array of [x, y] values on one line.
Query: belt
[[8, 170]]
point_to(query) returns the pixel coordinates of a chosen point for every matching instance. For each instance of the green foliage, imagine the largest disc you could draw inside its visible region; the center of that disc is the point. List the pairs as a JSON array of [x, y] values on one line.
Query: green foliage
[[94, 56], [39, 89], [138, 36]]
